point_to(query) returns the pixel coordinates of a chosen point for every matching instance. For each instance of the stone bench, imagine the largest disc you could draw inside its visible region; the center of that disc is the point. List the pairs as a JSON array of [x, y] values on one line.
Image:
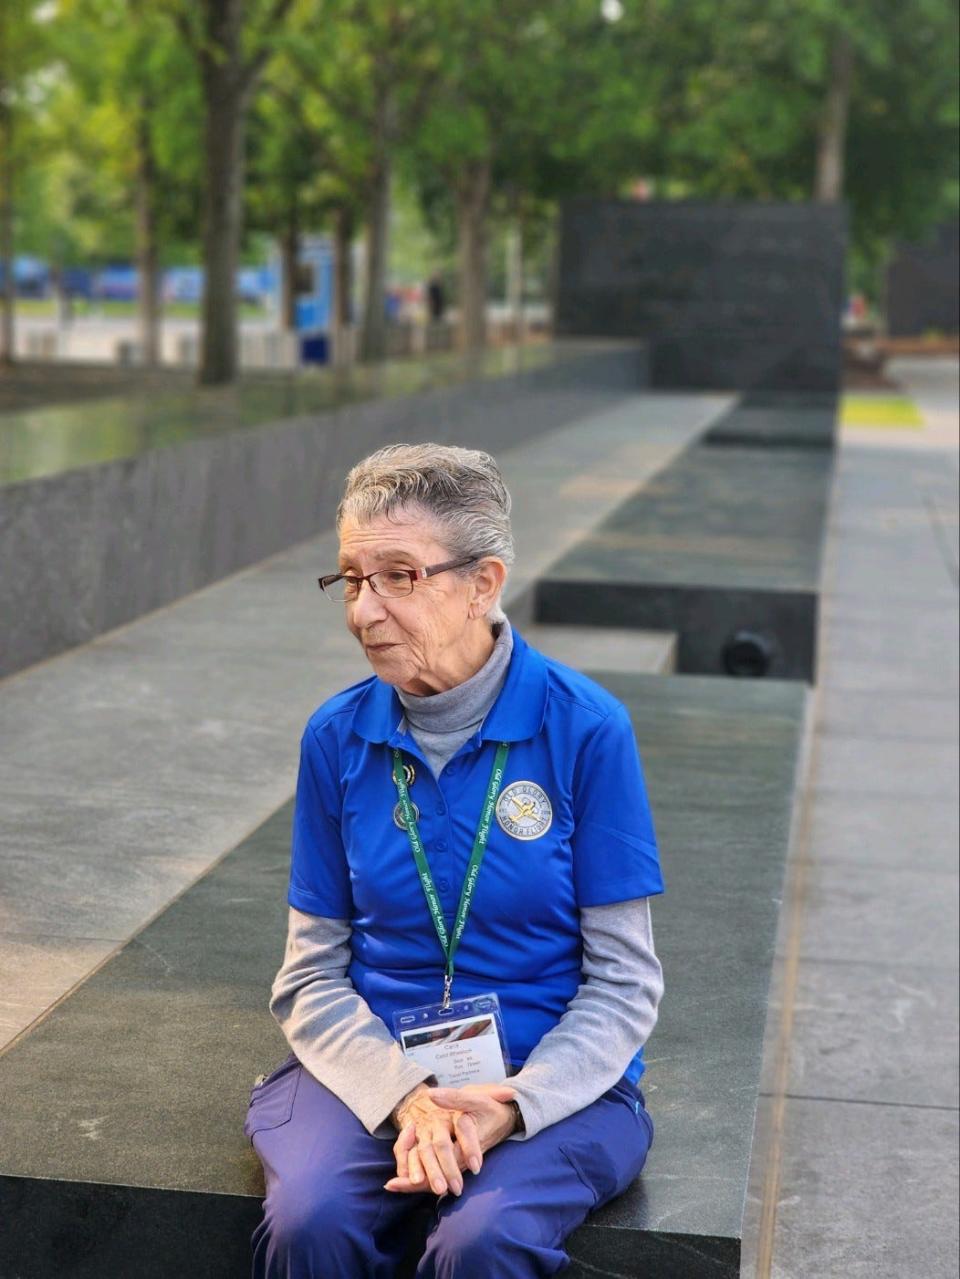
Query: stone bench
[[121, 1143], [722, 547]]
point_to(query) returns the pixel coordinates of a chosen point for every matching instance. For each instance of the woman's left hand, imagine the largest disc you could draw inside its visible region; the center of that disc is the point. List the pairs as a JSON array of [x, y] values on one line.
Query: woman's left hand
[[484, 1113]]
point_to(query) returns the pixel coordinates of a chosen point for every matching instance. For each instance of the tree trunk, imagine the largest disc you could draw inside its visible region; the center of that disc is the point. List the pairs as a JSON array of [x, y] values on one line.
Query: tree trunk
[[343, 227], [832, 139], [222, 228], [373, 336], [342, 280], [7, 335], [226, 98], [147, 250], [515, 277], [289, 269], [473, 198]]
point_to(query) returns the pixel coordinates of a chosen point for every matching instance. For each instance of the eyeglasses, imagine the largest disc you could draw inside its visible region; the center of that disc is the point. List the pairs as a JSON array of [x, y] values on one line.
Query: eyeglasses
[[343, 588]]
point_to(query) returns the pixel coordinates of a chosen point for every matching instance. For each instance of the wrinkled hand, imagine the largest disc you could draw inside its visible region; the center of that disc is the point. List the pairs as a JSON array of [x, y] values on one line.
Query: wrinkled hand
[[444, 1131]]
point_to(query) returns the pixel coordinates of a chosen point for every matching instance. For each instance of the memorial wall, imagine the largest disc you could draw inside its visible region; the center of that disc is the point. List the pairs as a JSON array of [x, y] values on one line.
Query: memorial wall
[[733, 296]]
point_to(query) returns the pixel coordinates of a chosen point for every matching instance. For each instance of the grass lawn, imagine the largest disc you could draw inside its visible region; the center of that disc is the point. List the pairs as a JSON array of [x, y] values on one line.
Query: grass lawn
[[895, 411], [45, 308]]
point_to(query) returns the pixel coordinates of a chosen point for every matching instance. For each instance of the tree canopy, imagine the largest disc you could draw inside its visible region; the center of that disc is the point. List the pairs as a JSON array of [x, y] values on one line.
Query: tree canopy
[[282, 116]]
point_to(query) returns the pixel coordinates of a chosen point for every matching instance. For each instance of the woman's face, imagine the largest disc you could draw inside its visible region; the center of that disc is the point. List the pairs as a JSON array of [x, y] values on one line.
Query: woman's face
[[422, 633]]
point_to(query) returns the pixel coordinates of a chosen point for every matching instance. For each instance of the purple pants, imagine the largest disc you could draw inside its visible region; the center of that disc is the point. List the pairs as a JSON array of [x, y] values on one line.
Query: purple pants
[[326, 1215]]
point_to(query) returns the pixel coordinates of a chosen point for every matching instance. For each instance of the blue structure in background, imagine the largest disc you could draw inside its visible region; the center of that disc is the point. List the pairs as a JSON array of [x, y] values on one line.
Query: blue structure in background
[[118, 282], [314, 298], [115, 284], [31, 277]]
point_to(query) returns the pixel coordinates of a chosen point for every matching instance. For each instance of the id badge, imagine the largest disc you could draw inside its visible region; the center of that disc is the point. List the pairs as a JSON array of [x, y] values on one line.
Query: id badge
[[463, 1044]]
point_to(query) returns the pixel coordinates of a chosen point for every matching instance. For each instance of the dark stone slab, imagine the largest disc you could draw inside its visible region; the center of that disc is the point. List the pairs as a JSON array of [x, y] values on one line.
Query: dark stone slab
[[779, 419], [722, 540], [187, 500], [729, 295], [923, 286], [121, 1143]]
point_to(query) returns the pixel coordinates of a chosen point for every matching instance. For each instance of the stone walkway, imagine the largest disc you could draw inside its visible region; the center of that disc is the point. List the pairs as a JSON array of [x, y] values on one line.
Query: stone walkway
[[130, 765], [855, 1158]]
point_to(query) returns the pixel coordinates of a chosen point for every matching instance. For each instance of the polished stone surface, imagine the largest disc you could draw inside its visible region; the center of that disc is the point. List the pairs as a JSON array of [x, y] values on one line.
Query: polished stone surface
[[727, 294], [142, 757], [62, 437], [723, 539], [923, 285], [173, 1029], [779, 419], [738, 517], [90, 548]]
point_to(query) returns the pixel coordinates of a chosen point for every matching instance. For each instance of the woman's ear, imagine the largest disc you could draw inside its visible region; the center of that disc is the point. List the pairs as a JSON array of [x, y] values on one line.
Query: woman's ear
[[487, 584]]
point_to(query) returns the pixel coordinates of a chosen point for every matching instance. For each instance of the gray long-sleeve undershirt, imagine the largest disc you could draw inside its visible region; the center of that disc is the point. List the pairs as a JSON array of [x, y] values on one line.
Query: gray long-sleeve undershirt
[[349, 1049]]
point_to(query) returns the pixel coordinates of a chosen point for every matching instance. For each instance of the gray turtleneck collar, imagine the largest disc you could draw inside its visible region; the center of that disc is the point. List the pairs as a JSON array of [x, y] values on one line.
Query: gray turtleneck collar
[[441, 722]]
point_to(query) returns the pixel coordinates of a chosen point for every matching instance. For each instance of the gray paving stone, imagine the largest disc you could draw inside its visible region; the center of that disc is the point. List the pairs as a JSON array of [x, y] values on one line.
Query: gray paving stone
[[606, 648], [881, 1032], [874, 631], [50, 963], [135, 751], [845, 674], [903, 715], [867, 1192], [862, 767], [872, 914], [884, 830], [95, 894]]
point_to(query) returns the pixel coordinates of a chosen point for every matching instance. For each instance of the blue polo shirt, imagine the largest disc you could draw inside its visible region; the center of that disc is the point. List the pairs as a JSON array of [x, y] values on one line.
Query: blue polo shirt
[[573, 751]]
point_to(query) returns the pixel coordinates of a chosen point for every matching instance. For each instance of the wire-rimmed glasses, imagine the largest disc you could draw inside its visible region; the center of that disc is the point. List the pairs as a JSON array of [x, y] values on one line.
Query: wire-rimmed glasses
[[392, 583]]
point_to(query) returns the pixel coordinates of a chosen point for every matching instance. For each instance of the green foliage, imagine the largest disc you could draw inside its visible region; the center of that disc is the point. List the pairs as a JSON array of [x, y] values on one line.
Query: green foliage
[[110, 69], [704, 98]]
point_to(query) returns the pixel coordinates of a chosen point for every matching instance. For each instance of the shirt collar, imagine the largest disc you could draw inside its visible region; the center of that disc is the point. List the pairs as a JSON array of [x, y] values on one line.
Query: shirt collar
[[515, 716]]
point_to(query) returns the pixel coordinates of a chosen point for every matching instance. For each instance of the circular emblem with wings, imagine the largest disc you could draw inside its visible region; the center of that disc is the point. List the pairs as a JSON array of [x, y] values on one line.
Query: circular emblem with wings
[[524, 811]]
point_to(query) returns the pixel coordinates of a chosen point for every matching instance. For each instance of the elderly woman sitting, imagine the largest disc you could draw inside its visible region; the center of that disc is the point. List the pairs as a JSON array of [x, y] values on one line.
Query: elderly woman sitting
[[469, 975]]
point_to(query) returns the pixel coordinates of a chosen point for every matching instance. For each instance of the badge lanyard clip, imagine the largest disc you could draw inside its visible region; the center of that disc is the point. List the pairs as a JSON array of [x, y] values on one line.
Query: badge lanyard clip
[[450, 943]]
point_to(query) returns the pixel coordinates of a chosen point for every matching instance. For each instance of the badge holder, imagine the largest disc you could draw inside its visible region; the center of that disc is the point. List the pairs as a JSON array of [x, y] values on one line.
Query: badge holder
[[462, 1043]]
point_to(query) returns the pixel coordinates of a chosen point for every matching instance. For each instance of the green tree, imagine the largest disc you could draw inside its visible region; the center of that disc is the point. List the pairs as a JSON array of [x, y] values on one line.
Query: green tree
[[776, 99], [312, 155], [379, 72], [518, 85], [129, 109]]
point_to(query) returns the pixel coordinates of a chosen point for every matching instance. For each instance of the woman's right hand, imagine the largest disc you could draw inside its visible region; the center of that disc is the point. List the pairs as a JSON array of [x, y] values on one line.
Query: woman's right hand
[[434, 1144]]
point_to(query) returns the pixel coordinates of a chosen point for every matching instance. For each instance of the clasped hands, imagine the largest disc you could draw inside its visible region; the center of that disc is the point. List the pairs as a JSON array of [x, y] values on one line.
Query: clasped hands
[[445, 1131]]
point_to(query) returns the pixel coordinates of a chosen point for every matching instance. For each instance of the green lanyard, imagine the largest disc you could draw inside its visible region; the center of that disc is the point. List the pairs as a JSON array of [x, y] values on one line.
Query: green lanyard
[[449, 943]]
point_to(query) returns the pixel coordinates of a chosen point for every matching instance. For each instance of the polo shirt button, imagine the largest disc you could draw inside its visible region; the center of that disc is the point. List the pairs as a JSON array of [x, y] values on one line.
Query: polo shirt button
[[443, 884], [441, 809], [440, 845]]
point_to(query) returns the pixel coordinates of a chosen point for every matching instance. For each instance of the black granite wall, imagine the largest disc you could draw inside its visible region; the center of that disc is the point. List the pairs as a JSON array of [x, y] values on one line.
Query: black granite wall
[[923, 286], [729, 296]]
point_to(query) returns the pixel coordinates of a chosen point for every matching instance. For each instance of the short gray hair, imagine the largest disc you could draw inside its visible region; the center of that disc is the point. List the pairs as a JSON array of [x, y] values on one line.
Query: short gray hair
[[461, 490]]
